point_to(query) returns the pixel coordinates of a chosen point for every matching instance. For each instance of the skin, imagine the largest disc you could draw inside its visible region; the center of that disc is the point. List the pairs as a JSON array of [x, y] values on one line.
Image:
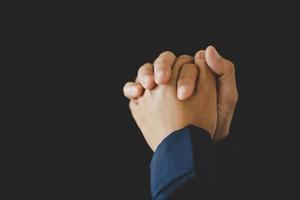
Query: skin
[[227, 94], [158, 112]]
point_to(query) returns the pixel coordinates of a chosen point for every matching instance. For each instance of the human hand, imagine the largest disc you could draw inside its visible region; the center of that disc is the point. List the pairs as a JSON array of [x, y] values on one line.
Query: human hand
[[226, 84], [158, 112]]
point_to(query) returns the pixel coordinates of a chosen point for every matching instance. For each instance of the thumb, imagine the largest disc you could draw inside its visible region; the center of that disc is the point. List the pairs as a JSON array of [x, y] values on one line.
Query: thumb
[[225, 72], [219, 65], [222, 67]]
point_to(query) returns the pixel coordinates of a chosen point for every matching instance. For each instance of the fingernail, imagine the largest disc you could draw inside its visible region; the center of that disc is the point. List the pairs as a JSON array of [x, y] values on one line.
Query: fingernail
[[216, 53], [131, 90], [201, 54], [182, 91], [144, 80], [159, 74]]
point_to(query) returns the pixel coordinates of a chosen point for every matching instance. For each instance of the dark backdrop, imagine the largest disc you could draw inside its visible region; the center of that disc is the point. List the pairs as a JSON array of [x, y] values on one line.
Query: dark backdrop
[[83, 142]]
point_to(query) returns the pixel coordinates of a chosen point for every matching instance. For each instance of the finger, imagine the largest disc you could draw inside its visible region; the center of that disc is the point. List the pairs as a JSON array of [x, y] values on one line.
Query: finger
[[220, 66], [163, 67], [133, 90], [225, 70], [206, 77], [145, 76], [186, 81], [181, 60]]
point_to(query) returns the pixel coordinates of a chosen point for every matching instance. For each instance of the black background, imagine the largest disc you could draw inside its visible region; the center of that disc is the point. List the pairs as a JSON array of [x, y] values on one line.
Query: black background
[[76, 138]]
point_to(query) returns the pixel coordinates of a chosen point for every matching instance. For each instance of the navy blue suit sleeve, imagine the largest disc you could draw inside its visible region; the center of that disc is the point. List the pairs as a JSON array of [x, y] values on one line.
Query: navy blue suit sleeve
[[183, 158]]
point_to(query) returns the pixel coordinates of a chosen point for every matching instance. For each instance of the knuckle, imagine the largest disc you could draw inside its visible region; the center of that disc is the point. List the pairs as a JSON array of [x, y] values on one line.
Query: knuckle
[[146, 65], [126, 94], [185, 57], [125, 87], [144, 68], [167, 53], [161, 63]]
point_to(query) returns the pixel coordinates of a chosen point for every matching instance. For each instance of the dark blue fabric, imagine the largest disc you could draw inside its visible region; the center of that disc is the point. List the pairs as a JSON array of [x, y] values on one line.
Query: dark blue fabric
[[181, 157]]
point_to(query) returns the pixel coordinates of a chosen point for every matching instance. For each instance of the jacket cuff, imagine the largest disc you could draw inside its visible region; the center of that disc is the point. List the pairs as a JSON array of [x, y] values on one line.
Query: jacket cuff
[[183, 156]]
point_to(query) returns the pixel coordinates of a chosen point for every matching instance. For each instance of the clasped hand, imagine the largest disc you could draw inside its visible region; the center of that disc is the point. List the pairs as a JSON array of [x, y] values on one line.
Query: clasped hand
[[174, 92]]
